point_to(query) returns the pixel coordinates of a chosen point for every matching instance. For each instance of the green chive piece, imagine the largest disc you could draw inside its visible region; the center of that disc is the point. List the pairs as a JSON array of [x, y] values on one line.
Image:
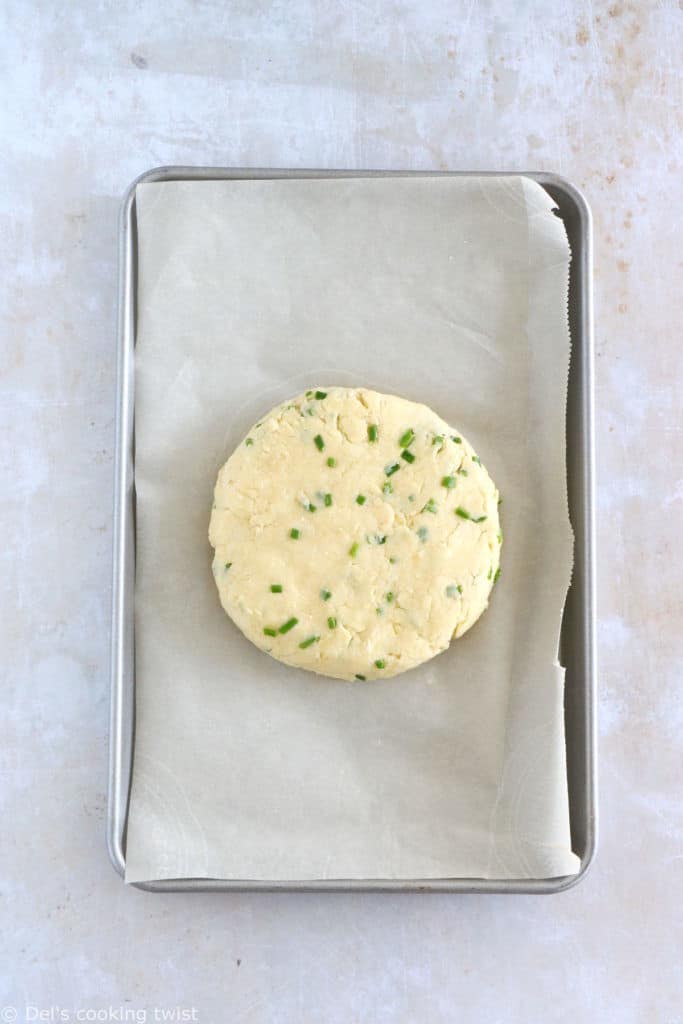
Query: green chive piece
[[462, 513], [406, 439], [308, 394], [294, 533], [331, 462], [307, 505], [376, 538], [328, 500], [249, 441], [380, 664], [319, 443], [326, 594], [461, 472], [423, 533], [500, 536], [380, 611], [320, 395], [359, 676], [411, 497], [389, 597], [489, 573], [361, 499], [408, 456], [353, 550], [449, 482], [228, 564], [310, 411], [431, 506], [500, 501], [387, 487], [289, 624], [390, 470], [438, 439], [496, 575], [452, 590], [458, 440], [331, 623], [392, 561], [269, 631], [478, 519], [372, 432], [276, 588], [308, 642], [475, 458]]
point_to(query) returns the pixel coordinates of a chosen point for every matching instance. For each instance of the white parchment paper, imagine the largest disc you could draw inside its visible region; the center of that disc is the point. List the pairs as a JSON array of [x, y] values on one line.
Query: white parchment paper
[[449, 291]]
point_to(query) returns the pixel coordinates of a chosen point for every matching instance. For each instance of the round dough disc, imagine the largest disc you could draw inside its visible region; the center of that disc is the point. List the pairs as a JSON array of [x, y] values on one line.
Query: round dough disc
[[355, 534]]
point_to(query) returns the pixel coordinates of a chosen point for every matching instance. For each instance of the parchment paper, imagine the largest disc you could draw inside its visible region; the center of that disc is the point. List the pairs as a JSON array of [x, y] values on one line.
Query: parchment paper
[[449, 291]]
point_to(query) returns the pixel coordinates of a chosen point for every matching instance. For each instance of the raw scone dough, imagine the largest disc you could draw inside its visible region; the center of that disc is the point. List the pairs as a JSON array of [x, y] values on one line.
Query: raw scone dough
[[355, 534]]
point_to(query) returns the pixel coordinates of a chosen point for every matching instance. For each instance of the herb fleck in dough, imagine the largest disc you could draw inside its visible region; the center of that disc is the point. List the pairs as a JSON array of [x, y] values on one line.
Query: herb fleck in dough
[[349, 588]]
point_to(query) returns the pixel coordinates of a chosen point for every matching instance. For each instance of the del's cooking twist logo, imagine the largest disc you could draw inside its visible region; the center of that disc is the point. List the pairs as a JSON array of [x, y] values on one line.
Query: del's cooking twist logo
[[99, 1015]]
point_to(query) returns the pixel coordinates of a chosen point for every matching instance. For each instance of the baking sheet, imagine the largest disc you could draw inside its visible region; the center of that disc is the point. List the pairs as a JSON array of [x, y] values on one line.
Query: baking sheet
[[450, 291]]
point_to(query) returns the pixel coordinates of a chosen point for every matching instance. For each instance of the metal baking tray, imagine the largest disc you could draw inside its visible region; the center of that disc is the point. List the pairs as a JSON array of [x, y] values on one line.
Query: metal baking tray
[[577, 639]]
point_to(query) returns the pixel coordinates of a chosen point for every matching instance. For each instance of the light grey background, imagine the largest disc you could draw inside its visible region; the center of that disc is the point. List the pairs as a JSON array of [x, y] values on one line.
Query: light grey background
[[93, 94]]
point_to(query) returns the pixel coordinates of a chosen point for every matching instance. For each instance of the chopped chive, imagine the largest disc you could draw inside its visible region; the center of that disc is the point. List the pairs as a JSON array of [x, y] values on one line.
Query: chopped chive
[[459, 589], [269, 631], [307, 505], [276, 588], [310, 411], [353, 550], [320, 395], [496, 575], [500, 501], [294, 533], [438, 439], [461, 472], [228, 564], [380, 611], [380, 664], [308, 642], [389, 597], [359, 676], [326, 594], [372, 432], [478, 519], [406, 439], [319, 443], [475, 458], [453, 589], [376, 538], [500, 536], [411, 497], [361, 499], [408, 456], [289, 624], [462, 513], [423, 533], [393, 468], [431, 506], [249, 441], [387, 487], [489, 574], [331, 622], [331, 462], [458, 440], [449, 482], [328, 500], [392, 561], [308, 394]]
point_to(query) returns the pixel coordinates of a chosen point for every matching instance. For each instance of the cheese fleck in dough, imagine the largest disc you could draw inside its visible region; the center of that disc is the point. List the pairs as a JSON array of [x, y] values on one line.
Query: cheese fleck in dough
[[355, 534]]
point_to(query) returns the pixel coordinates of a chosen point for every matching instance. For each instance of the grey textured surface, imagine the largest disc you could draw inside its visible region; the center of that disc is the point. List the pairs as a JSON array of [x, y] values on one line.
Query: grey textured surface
[[95, 93]]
